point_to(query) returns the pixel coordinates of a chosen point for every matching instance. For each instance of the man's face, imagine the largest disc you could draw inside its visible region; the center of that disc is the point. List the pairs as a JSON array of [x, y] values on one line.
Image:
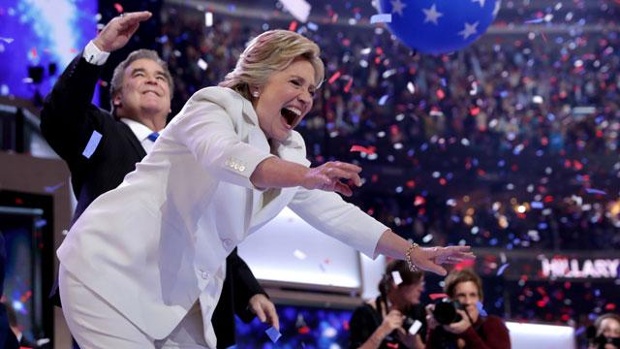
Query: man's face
[[467, 294], [145, 91]]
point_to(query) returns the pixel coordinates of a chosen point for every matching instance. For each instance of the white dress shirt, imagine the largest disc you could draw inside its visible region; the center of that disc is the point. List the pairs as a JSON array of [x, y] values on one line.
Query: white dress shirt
[[142, 133]]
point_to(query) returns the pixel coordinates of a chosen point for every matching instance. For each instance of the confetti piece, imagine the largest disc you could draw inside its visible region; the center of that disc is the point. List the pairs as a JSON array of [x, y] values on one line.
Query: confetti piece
[[501, 269], [334, 77], [415, 327], [92, 144], [273, 334], [381, 18], [362, 149], [481, 309], [535, 21], [299, 254], [7, 40], [595, 191], [300, 9], [208, 19], [119, 8], [397, 278], [436, 296], [53, 188]]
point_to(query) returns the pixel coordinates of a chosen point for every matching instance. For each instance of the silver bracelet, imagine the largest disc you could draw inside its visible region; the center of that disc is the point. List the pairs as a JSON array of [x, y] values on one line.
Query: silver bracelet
[[412, 267]]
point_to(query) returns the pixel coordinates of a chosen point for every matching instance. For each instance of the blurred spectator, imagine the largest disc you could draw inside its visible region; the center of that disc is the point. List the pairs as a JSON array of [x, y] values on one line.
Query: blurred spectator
[[606, 332], [395, 319], [461, 322]]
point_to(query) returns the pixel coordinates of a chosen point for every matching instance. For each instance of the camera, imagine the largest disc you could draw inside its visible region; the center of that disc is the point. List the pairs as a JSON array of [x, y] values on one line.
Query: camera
[[601, 341], [445, 311]]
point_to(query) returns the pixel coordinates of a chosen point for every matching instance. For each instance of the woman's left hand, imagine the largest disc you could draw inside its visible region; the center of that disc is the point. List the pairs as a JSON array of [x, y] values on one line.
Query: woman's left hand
[[330, 175], [432, 258]]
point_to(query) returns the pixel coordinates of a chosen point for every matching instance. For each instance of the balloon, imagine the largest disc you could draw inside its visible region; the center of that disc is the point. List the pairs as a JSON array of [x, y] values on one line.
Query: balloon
[[439, 26]]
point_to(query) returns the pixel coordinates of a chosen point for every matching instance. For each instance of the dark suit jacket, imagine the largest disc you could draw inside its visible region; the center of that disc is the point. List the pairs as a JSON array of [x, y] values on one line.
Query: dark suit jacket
[[68, 121]]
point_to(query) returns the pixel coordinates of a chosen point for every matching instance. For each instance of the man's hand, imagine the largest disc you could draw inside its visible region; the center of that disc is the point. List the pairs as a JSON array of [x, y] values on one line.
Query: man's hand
[[119, 30], [265, 310]]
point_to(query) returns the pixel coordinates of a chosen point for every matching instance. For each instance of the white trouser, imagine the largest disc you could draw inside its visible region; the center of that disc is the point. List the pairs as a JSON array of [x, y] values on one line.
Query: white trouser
[[95, 324]]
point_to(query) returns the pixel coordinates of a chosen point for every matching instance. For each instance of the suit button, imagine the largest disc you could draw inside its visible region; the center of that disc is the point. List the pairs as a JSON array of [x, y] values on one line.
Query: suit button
[[204, 274], [227, 243]]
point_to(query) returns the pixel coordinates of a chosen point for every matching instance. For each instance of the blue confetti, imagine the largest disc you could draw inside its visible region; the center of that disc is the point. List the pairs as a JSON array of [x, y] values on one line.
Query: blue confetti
[[92, 144], [501, 269], [595, 191], [481, 309], [273, 334]]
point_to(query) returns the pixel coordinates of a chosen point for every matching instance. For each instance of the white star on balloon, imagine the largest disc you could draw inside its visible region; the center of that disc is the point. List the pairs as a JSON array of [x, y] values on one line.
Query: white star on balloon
[[470, 29], [397, 7], [480, 1], [432, 15]]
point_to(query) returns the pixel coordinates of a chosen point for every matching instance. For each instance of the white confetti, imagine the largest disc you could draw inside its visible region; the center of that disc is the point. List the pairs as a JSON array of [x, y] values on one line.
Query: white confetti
[[397, 278], [300, 9], [381, 18]]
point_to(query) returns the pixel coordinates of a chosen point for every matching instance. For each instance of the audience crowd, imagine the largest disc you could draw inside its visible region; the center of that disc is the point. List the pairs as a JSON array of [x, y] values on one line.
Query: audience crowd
[[509, 143]]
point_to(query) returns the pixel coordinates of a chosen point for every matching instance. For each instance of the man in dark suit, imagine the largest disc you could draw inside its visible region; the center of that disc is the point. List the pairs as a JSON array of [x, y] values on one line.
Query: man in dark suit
[[100, 147]]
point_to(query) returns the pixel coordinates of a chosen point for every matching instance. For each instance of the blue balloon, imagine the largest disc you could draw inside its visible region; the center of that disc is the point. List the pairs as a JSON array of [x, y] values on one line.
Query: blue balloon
[[439, 26]]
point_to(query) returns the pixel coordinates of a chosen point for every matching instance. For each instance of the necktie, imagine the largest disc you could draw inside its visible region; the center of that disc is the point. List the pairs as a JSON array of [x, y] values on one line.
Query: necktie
[[153, 136]]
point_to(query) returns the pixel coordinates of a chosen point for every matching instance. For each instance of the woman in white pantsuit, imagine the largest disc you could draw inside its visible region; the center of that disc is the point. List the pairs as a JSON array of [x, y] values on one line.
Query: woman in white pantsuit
[[143, 266]]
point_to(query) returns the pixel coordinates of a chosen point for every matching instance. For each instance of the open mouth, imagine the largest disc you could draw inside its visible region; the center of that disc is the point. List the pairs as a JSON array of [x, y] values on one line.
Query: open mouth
[[290, 115]]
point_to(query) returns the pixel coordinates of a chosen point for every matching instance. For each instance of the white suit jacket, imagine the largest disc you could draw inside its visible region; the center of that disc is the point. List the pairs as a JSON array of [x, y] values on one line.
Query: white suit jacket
[[158, 242]]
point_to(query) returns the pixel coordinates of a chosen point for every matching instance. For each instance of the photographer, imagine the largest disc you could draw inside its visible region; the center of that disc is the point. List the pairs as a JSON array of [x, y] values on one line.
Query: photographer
[[458, 323], [395, 319], [606, 332]]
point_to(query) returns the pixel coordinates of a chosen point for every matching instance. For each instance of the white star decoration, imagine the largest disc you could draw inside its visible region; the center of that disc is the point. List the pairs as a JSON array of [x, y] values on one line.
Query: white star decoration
[[470, 29], [398, 6], [431, 14], [480, 1]]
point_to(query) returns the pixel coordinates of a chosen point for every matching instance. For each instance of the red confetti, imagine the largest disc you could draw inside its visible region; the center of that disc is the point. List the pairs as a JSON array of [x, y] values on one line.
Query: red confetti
[[293, 26], [436, 296], [334, 77], [366, 150], [347, 88], [119, 7]]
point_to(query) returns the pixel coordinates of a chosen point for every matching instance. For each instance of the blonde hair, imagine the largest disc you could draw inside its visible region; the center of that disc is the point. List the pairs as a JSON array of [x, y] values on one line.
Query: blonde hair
[[270, 52]]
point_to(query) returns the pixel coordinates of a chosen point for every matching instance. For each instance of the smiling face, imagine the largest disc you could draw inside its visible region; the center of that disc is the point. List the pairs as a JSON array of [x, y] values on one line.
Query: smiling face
[[145, 92], [285, 99], [467, 294]]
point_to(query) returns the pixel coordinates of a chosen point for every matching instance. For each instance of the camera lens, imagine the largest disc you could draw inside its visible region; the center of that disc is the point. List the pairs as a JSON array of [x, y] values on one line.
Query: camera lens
[[445, 312]]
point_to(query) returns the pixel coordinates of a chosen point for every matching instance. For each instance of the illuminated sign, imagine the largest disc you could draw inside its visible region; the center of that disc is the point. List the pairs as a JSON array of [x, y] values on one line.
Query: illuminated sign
[[563, 267]]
